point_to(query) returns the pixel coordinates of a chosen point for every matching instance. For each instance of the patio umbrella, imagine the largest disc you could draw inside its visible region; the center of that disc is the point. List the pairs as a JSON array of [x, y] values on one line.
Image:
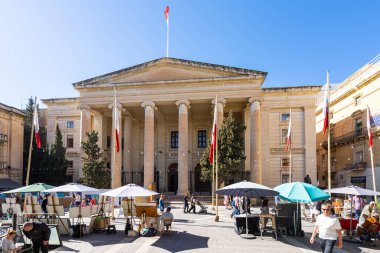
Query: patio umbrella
[[247, 189], [73, 187], [301, 192], [353, 190], [38, 187], [129, 190]]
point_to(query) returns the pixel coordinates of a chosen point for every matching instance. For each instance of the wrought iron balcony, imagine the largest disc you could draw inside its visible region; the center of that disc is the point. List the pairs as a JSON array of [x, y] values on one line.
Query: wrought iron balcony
[[3, 138], [351, 137], [357, 166]]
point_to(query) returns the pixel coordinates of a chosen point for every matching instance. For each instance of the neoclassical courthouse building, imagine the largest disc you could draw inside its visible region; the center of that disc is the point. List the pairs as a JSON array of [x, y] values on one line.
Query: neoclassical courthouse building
[[166, 111]]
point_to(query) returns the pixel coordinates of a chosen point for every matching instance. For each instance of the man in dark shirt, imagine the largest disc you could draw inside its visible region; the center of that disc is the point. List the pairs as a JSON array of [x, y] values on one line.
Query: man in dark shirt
[[39, 233]]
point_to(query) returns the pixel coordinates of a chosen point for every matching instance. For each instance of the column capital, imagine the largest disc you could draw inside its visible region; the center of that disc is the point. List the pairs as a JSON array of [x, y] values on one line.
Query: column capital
[[84, 107], [254, 99], [111, 105], [183, 101], [222, 101], [148, 103]]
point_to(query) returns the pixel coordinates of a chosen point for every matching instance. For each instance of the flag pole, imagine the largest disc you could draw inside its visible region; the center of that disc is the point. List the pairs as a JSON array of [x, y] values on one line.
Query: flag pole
[[213, 184], [114, 150], [373, 174], [370, 144], [167, 38], [290, 148], [31, 143], [328, 134], [216, 162]]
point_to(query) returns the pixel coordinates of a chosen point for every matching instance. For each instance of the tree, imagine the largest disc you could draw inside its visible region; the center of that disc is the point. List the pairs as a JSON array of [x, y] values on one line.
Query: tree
[[95, 171], [230, 151], [37, 154], [54, 165]]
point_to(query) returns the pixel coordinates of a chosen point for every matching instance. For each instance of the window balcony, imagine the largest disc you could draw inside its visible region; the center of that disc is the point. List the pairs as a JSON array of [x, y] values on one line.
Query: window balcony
[[351, 137], [357, 166]]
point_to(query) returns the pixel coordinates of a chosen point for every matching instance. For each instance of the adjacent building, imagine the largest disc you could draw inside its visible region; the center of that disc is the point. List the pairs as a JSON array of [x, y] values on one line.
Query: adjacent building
[[165, 110], [350, 156], [11, 146]]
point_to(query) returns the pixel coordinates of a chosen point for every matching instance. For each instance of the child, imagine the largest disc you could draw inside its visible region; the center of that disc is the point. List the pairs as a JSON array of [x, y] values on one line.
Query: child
[[8, 245]]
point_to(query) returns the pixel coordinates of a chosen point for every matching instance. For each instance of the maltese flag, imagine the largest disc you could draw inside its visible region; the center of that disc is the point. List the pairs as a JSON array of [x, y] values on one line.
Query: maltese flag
[[214, 132], [369, 117], [326, 105], [166, 12], [117, 129], [36, 127]]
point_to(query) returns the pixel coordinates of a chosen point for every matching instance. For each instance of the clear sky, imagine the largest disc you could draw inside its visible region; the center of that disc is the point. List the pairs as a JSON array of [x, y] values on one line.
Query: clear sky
[[46, 46]]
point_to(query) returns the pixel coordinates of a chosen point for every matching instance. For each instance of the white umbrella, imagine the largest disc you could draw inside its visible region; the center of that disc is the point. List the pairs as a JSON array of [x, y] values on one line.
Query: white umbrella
[[248, 189], [73, 187], [129, 190], [353, 190]]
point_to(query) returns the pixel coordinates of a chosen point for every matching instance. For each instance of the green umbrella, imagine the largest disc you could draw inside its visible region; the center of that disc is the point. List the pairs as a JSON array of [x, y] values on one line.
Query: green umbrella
[[38, 187]]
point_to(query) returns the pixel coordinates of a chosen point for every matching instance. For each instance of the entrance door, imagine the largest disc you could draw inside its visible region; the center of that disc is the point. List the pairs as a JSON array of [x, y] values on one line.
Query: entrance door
[[173, 178], [199, 185]]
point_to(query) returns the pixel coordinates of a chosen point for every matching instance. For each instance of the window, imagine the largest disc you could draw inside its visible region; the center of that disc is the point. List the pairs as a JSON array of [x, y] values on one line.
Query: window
[[285, 162], [358, 126], [285, 116], [359, 157], [285, 179], [202, 139], [108, 141], [358, 100], [70, 124], [284, 133], [174, 139], [70, 141], [70, 168]]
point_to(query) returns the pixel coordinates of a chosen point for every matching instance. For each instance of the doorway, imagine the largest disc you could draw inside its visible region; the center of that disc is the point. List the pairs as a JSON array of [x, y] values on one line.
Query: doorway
[[173, 178]]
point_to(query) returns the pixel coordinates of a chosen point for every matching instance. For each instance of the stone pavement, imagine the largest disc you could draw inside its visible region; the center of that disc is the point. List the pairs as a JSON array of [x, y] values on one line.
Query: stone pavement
[[197, 233]]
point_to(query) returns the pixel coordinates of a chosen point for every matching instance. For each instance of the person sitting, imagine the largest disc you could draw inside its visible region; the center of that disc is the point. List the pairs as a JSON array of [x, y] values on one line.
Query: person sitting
[[93, 201], [167, 218], [368, 211], [8, 245], [235, 207]]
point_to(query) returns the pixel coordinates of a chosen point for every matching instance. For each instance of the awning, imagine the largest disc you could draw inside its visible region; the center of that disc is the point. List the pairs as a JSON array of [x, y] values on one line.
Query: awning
[[7, 184]]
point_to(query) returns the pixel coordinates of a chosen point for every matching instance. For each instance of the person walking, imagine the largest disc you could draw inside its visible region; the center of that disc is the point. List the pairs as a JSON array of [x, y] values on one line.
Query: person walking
[[186, 203], [161, 204], [192, 203], [329, 229], [39, 233], [358, 205]]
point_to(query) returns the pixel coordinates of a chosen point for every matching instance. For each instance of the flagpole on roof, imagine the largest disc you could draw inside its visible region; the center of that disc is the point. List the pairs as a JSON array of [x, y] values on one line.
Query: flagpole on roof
[[166, 12], [370, 144]]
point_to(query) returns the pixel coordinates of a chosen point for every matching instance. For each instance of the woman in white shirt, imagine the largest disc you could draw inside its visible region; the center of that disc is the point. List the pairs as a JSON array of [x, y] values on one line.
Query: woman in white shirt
[[8, 245], [329, 229]]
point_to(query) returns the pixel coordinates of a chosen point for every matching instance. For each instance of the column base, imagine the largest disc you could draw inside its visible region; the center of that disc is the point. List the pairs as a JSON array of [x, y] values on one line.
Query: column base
[[182, 192]]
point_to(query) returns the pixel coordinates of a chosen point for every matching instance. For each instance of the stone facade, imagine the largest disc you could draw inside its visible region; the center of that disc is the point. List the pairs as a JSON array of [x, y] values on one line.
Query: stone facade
[[11, 143], [165, 108], [350, 156]]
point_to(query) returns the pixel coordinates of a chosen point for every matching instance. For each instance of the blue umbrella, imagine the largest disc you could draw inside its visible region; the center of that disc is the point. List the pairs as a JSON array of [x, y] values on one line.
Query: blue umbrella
[[301, 192]]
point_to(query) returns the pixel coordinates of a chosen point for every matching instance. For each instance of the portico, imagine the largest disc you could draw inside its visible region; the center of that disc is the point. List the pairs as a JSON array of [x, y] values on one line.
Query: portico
[[165, 110]]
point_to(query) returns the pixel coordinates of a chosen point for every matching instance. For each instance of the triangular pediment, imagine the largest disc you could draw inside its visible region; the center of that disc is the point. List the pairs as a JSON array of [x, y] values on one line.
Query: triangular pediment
[[169, 69]]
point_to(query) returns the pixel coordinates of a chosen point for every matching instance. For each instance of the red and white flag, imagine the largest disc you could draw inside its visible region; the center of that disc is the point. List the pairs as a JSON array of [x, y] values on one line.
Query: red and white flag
[[117, 129], [289, 134], [36, 127], [214, 132], [369, 116], [326, 105], [166, 12]]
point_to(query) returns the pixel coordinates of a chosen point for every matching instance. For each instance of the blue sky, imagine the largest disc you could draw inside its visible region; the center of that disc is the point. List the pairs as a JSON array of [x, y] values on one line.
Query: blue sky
[[45, 46]]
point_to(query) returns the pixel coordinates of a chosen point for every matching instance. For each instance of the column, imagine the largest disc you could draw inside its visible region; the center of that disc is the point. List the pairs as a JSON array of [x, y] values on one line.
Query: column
[[183, 146], [310, 144], [255, 140], [115, 156], [127, 152], [148, 143], [84, 128]]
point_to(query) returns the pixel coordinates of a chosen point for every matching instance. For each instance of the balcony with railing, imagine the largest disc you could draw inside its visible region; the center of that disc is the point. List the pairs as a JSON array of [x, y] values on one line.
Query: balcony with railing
[[357, 166], [3, 138], [351, 137]]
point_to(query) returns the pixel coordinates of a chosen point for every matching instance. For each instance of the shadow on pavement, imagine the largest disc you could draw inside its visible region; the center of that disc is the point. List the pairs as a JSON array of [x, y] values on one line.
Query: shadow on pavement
[[174, 241]]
